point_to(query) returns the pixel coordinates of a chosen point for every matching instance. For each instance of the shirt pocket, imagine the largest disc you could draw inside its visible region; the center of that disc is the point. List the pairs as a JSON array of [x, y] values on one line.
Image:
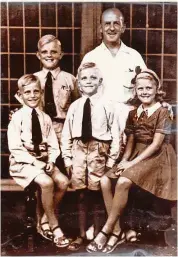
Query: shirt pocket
[[129, 74], [64, 97]]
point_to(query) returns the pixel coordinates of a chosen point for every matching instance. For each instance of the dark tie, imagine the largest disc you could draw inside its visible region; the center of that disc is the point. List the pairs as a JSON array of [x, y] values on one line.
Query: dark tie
[[86, 123], [143, 116], [36, 132], [50, 107]]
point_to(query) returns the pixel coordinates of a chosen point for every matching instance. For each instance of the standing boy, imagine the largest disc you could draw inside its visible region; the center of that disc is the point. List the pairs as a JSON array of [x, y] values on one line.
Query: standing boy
[[59, 92], [34, 148], [90, 144]]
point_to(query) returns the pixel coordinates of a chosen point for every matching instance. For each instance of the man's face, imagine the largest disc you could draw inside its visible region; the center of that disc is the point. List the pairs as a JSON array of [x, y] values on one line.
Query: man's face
[[112, 26], [31, 94], [49, 55], [89, 81]]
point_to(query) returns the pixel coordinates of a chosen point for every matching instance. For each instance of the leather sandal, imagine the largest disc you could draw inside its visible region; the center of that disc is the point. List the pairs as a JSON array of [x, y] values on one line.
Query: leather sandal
[[60, 242], [46, 233], [120, 239], [95, 247], [76, 244]]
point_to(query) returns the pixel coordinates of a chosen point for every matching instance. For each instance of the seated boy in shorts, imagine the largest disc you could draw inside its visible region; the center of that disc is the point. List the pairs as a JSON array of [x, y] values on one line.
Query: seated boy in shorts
[[34, 148], [90, 144]]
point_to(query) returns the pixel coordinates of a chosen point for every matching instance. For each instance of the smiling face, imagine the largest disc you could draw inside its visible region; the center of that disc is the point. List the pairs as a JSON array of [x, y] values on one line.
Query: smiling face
[[50, 54], [89, 81], [31, 94], [146, 91], [112, 26]]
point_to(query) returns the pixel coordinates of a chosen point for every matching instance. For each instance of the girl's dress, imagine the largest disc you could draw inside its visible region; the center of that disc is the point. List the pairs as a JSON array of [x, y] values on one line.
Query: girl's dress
[[156, 174]]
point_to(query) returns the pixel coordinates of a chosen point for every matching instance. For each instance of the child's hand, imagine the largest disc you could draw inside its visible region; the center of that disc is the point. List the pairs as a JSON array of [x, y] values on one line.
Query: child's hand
[[39, 164], [123, 165], [12, 112], [69, 172], [118, 172], [49, 167]]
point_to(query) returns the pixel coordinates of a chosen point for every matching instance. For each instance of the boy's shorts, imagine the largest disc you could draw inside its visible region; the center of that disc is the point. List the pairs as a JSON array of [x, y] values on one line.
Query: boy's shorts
[[24, 173], [89, 161]]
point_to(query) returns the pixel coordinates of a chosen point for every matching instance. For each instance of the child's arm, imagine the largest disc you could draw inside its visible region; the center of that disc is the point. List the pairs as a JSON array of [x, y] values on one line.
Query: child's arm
[[66, 138], [18, 151], [128, 148], [52, 144], [117, 138], [149, 151]]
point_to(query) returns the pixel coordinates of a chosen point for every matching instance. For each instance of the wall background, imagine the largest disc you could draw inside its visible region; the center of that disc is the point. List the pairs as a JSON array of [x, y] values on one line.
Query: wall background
[[151, 29]]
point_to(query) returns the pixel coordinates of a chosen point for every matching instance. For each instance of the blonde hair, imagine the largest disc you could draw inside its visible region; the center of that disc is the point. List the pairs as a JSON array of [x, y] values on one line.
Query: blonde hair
[[152, 76], [88, 65], [27, 79], [47, 39]]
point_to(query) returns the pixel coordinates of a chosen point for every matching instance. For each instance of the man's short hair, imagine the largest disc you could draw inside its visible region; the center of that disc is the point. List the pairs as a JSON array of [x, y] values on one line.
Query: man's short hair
[[47, 39], [27, 79]]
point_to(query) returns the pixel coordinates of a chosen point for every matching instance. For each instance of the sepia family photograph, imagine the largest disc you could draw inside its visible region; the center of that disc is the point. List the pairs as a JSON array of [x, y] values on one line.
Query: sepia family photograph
[[88, 128]]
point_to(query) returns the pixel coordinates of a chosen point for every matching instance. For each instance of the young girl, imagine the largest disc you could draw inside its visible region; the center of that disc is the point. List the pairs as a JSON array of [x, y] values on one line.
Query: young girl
[[149, 160]]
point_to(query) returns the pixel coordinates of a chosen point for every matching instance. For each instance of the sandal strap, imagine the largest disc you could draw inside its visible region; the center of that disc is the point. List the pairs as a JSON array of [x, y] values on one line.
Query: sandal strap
[[53, 229], [43, 223], [119, 237], [105, 234]]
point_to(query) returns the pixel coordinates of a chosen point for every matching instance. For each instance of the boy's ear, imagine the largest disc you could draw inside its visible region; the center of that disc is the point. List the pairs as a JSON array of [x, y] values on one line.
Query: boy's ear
[[38, 55], [61, 55], [100, 81]]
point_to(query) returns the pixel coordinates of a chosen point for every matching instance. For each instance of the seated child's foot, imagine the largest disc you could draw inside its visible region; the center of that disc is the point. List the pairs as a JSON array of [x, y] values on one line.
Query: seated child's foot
[[44, 230], [90, 233], [58, 237], [76, 244], [98, 243], [132, 235]]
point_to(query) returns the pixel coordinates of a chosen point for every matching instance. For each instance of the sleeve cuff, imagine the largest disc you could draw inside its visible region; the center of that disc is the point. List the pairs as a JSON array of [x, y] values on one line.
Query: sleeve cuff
[[68, 162], [110, 163]]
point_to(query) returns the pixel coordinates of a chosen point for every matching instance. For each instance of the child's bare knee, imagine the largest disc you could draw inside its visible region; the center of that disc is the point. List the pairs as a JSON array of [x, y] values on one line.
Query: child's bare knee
[[47, 183], [62, 184], [104, 181], [123, 183]]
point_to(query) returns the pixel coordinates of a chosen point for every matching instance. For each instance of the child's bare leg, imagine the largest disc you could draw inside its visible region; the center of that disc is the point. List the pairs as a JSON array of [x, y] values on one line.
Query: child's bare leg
[[96, 199], [106, 187], [61, 184], [47, 188], [119, 202], [82, 204]]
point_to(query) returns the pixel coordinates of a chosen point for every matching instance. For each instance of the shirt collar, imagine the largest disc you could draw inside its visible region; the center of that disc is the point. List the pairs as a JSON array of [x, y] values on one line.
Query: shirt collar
[[29, 109], [149, 110], [93, 99], [123, 47], [54, 72]]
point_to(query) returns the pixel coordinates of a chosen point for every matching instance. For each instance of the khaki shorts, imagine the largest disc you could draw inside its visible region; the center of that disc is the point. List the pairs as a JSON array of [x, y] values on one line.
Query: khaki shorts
[[89, 160]]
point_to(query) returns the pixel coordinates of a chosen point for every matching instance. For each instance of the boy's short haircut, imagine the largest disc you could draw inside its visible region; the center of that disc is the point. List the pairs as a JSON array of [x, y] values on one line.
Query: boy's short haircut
[[27, 79], [47, 39], [88, 65]]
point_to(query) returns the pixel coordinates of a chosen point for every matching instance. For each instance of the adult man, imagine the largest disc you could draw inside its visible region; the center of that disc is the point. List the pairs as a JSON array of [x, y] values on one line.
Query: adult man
[[116, 61]]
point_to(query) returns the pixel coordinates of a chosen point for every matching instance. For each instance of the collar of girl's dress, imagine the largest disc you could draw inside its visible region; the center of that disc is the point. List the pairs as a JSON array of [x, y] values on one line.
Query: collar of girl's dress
[[149, 110]]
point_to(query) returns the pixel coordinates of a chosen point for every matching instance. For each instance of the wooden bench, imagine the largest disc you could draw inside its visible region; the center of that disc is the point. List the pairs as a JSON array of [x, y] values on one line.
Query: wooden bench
[[11, 186]]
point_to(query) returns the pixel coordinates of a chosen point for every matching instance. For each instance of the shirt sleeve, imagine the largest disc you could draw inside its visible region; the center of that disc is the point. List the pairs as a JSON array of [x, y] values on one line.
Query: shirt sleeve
[[52, 143], [117, 138], [16, 148], [129, 128], [66, 138], [164, 122]]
